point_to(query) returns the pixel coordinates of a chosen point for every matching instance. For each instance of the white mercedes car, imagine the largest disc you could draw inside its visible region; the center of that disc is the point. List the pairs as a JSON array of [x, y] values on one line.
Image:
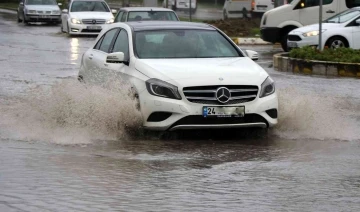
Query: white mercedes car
[[185, 75], [86, 17], [341, 30]]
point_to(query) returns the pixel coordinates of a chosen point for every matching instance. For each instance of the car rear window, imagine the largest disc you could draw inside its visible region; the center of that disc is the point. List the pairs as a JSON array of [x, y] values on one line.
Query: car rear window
[[152, 15]]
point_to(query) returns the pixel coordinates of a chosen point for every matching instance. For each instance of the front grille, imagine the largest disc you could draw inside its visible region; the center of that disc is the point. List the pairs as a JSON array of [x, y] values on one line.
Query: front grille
[[294, 38], [207, 94], [40, 12], [93, 21], [91, 30], [48, 12]]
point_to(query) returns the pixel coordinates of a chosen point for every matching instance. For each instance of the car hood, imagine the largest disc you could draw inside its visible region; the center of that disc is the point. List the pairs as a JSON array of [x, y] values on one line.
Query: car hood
[[315, 27], [204, 71], [42, 7], [92, 15]]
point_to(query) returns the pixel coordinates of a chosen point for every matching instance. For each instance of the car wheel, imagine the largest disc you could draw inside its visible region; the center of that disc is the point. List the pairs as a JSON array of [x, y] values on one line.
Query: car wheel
[[337, 42]]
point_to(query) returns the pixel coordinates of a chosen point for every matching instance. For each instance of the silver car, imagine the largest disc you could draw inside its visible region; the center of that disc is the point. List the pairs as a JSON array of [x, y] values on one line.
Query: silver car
[[39, 11]]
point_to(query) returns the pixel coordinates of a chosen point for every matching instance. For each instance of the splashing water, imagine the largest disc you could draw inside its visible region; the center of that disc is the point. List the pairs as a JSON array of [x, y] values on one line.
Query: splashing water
[[312, 116], [71, 113], [74, 113]]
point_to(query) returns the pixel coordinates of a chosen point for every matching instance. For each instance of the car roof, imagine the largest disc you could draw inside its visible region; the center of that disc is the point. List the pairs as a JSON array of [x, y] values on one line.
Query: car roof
[[156, 25], [145, 9]]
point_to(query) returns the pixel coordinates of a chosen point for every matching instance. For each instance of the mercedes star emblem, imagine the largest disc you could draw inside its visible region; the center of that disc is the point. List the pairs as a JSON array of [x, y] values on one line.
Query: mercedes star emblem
[[94, 21], [223, 94], [221, 79]]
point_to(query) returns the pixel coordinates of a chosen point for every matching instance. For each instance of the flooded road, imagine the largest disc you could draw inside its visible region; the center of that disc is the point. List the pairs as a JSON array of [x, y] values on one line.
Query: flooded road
[[62, 147]]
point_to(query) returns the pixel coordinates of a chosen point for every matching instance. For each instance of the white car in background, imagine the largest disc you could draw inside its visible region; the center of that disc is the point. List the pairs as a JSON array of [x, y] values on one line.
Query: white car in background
[[86, 17], [39, 11], [259, 7], [185, 75], [341, 30], [181, 5], [237, 9]]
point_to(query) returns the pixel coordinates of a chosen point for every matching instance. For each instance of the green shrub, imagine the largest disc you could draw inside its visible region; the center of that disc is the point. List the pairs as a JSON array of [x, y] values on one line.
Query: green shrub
[[345, 55]]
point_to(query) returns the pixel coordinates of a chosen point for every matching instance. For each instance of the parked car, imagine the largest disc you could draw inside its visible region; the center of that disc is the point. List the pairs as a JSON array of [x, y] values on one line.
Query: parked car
[[86, 17], [181, 5], [237, 9], [278, 22], [185, 75], [126, 14], [259, 7], [39, 11], [341, 30]]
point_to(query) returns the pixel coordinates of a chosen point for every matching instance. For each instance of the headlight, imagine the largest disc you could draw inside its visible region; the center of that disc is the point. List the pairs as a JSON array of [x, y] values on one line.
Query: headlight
[[31, 12], [163, 89], [56, 12], [313, 33], [75, 21], [267, 87], [110, 21]]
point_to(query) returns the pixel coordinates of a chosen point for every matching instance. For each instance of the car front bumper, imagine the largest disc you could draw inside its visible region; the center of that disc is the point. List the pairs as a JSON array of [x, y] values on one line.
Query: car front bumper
[[188, 115], [305, 41], [85, 29], [42, 18]]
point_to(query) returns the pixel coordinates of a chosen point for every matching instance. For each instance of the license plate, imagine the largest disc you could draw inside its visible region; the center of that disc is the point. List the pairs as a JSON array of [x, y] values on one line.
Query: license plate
[[93, 27], [224, 111], [44, 16], [292, 44]]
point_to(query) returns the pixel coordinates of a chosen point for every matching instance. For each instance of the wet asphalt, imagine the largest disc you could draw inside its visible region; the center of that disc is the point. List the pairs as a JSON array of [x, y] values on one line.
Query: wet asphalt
[[309, 162]]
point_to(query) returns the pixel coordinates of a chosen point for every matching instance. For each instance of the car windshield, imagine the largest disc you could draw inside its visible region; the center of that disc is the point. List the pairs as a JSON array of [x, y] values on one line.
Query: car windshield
[[152, 15], [188, 43], [343, 17], [87, 6], [41, 2]]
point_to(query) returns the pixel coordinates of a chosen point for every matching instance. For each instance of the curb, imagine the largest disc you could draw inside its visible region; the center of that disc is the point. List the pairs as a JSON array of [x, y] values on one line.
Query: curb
[[284, 63], [250, 41], [8, 8]]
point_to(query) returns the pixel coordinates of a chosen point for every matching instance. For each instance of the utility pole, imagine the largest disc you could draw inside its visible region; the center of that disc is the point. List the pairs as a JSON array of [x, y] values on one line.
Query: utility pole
[[166, 3], [320, 23], [190, 10]]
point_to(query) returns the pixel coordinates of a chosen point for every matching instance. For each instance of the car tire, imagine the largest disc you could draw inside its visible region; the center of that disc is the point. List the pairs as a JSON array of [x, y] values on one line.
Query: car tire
[[337, 42]]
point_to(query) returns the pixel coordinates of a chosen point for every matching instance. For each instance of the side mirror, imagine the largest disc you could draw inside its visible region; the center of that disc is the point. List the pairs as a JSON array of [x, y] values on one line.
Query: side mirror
[[116, 57], [21, 3], [113, 11], [357, 22], [65, 11], [59, 4], [252, 54]]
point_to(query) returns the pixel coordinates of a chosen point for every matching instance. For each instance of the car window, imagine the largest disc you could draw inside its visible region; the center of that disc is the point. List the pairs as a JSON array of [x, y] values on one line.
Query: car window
[[118, 17], [352, 3], [183, 44], [313, 3], [343, 17], [123, 18], [97, 46], [107, 40], [122, 44], [89, 6], [152, 15], [41, 2]]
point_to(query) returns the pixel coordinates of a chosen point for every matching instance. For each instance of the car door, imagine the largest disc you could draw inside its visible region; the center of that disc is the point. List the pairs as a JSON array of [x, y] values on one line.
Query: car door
[[120, 71], [309, 10], [95, 59], [355, 34]]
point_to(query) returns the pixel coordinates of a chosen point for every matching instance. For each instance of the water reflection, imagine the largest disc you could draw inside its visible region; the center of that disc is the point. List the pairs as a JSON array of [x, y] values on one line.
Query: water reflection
[[74, 49]]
